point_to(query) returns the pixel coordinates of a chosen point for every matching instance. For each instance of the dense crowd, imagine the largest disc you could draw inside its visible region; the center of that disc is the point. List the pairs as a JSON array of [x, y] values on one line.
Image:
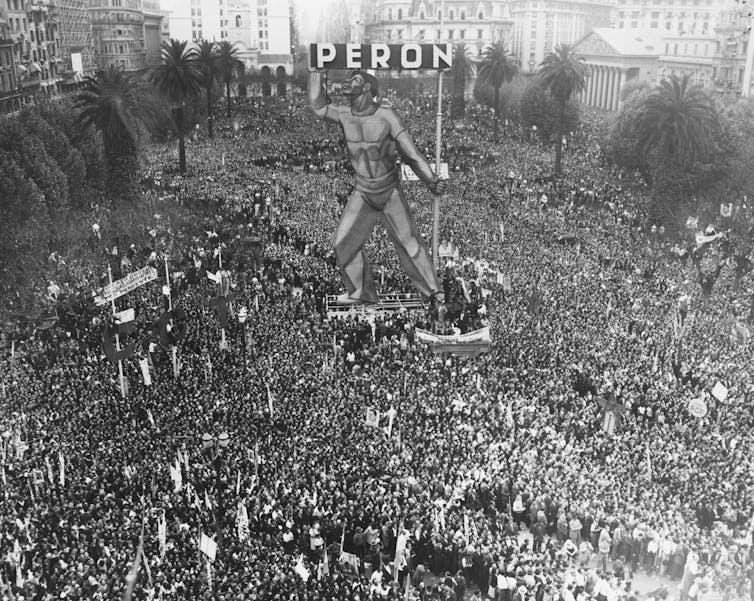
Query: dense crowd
[[488, 477]]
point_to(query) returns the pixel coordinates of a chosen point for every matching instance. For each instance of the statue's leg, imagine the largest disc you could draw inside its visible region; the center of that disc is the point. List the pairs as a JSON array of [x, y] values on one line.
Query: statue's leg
[[413, 255], [355, 227]]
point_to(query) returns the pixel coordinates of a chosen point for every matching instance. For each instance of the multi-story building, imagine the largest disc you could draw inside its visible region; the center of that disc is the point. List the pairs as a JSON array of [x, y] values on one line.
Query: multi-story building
[[539, 26], [75, 35], [155, 30], [9, 95], [260, 28], [731, 47], [118, 34], [473, 22]]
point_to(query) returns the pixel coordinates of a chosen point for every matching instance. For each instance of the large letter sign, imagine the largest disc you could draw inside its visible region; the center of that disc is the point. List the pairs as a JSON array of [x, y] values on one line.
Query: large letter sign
[[381, 56]]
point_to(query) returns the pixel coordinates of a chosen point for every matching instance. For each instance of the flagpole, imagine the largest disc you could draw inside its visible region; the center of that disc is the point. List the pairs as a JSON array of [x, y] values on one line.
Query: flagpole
[[117, 338], [173, 350]]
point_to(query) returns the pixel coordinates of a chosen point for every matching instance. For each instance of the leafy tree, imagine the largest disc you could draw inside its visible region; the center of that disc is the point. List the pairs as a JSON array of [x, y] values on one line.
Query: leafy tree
[[122, 108], [463, 68], [229, 67], [208, 61], [178, 78], [677, 123], [497, 66], [538, 107], [564, 75], [621, 144]]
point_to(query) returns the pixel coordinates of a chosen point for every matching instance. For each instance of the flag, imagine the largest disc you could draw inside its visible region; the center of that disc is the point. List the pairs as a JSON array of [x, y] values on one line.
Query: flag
[[151, 418], [509, 414], [301, 570], [61, 460], [269, 400], [175, 476], [256, 459], [479, 382], [726, 209], [162, 533], [649, 464], [144, 365], [324, 566], [238, 482], [207, 501], [208, 546], [50, 475]]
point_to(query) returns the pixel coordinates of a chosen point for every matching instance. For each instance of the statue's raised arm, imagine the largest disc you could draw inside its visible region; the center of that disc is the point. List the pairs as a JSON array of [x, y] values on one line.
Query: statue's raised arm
[[318, 100]]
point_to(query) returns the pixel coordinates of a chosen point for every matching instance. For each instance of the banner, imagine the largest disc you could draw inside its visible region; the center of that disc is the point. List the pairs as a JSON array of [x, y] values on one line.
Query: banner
[[702, 239], [208, 546], [125, 316], [381, 56], [125, 285], [408, 175], [144, 365], [720, 392], [480, 335], [242, 522], [162, 533], [350, 561]]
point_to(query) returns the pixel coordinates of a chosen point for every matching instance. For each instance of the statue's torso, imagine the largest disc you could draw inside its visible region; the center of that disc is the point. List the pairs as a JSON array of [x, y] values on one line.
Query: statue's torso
[[370, 148]]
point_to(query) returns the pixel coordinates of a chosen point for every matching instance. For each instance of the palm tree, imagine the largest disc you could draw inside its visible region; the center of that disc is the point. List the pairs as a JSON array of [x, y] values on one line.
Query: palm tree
[[229, 65], [123, 109], [563, 74], [178, 78], [678, 121], [463, 68], [207, 59], [498, 66]]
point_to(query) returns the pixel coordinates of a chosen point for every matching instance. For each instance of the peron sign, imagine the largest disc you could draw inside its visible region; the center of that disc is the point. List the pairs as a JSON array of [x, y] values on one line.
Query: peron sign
[[381, 56]]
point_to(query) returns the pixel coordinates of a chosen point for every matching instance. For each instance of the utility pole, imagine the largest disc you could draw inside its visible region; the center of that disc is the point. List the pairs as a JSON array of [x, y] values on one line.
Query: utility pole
[[746, 87]]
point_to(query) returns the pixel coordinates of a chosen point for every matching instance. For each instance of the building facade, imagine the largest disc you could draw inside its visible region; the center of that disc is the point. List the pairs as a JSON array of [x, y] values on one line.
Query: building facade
[[475, 23], [75, 35], [539, 26], [9, 94], [613, 58], [118, 34], [155, 30]]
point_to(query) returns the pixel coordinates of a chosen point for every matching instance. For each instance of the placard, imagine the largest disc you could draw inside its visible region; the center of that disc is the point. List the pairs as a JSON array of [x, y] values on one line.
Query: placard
[[373, 417], [380, 56], [697, 407], [720, 392], [408, 174], [208, 546]]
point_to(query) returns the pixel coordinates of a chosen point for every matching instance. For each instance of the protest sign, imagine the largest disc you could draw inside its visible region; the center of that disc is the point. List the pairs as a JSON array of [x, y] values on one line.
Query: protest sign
[[697, 407], [720, 392], [208, 546], [125, 285]]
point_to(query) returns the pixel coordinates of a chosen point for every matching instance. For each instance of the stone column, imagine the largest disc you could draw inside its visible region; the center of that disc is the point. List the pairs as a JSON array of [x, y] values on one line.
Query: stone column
[[592, 86], [606, 91], [621, 81], [600, 88], [611, 90]]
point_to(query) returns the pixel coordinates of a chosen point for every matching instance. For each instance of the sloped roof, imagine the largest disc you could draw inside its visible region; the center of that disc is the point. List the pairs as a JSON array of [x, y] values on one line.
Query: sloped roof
[[625, 42]]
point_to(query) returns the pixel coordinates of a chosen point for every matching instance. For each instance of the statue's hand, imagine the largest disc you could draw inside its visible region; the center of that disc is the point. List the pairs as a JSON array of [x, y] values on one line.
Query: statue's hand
[[439, 187]]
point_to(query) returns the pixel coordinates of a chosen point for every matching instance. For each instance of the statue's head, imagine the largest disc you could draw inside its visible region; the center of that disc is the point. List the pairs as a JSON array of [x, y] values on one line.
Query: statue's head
[[358, 82]]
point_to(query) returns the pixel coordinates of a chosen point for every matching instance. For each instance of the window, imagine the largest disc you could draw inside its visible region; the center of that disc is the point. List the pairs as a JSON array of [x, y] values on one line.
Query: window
[[481, 15], [479, 34], [421, 34], [400, 14], [422, 15], [463, 15], [439, 34], [389, 14], [452, 15], [120, 49], [462, 34], [439, 15], [400, 34], [239, 21], [389, 34], [451, 33]]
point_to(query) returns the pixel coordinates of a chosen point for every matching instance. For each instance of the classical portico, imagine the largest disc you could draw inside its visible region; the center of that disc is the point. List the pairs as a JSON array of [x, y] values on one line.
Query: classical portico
[[614, 57]]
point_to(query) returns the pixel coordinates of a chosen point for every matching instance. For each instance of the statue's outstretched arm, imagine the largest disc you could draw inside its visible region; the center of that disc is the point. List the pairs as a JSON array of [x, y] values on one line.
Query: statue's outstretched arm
[[318, 100], [409, 152]]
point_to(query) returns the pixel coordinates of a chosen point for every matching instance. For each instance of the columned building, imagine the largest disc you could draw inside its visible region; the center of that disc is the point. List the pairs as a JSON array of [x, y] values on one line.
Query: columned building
[[613, 58]]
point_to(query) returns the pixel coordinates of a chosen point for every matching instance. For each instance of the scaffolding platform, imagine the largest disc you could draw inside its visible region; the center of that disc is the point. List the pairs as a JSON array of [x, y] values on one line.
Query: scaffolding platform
[[389, 303]]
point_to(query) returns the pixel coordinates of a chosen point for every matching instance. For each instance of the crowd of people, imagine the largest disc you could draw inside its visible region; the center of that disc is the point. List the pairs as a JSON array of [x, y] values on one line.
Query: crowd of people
[[284, 454]]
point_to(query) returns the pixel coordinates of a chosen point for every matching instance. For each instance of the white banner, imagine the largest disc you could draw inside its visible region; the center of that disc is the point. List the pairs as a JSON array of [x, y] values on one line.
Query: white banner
[[125, 285], [208, 546], [144, 365], [125, 316], [408, 174], [480, 335]]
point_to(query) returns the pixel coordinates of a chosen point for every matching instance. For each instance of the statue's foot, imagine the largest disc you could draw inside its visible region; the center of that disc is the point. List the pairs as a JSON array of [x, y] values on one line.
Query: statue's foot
[[345, 299]]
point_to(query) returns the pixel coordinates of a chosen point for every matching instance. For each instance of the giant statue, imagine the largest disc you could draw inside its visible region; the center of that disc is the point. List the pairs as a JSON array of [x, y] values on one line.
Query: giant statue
[[374, 135]]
